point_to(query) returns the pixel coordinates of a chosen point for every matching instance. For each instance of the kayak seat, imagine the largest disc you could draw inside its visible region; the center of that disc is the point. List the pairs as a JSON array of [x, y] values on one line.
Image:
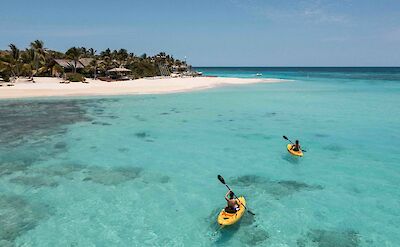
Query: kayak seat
[[230, 210]]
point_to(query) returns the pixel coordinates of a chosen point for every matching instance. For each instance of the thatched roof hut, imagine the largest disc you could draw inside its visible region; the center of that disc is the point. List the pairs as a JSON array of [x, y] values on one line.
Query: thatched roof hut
[[85, 61], [67, 63]]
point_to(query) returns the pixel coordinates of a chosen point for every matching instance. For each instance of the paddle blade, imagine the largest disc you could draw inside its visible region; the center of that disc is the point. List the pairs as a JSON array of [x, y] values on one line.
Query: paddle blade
[[220, 178], [284, 137]]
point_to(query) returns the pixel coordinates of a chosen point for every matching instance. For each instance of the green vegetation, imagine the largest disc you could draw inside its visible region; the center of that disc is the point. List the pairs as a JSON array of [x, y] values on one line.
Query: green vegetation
[[75, 77], [74, 54], [36, 60]]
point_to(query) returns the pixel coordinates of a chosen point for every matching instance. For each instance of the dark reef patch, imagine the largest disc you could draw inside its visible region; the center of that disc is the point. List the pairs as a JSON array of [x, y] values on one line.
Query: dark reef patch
[[152, 178], [111, 117], [270, 114], [254, 237], [49, 176], [334, 148], [34, 182], [101, 123], [324, 238], [98, 111], [255, 136], [278, 189], [60, 170], [174, 110], [8, 168], [142, 134], [248, 180], [112, 176], [34, 120], [164, 179], [298, 186], [320, 135], [17, 216], [123, 150], [60, 145]]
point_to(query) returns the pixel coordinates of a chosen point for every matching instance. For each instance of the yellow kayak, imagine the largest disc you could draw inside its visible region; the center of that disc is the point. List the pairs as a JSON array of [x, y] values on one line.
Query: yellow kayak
[[227, 219], [296, 153]]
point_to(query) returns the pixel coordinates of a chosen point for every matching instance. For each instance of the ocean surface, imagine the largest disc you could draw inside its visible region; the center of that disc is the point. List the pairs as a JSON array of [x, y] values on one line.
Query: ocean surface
[[142, 170]]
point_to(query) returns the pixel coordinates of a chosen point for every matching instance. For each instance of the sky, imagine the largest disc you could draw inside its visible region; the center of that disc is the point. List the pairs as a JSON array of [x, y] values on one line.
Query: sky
[[216, 32]]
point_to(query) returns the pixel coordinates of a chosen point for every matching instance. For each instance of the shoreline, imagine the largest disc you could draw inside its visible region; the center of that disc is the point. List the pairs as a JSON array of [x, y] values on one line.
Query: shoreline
[[51, 86]]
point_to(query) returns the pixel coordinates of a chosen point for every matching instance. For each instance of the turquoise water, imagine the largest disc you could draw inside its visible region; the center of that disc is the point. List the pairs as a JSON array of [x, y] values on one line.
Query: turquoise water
[[142, 170]]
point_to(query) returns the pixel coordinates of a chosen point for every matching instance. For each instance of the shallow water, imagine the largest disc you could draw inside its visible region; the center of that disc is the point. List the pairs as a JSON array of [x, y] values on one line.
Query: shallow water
[[141, 170]]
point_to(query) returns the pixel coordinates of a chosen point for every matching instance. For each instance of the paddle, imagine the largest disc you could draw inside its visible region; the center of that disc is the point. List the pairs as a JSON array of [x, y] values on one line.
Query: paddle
[[221, 179], [284, 137]]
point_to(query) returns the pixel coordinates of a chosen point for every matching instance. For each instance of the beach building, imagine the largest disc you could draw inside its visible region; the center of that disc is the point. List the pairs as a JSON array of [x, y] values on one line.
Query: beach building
[[179, 68], [119, 73], [86, 61], [68, 65]]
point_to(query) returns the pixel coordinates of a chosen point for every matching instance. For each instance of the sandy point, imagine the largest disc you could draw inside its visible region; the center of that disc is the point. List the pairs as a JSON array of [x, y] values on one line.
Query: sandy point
[[51, 87]]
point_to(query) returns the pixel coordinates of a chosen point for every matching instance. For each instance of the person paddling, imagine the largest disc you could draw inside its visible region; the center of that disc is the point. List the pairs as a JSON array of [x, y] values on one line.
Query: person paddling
[[233, 205], [296, 147]]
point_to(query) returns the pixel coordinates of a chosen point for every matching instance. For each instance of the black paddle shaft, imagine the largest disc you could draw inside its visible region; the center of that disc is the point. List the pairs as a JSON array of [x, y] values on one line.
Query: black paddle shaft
[[284, 137]]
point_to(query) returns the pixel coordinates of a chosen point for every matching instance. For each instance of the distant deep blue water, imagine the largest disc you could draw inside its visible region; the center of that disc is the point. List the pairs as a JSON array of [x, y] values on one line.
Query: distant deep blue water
[[141, 170], [352, 73]]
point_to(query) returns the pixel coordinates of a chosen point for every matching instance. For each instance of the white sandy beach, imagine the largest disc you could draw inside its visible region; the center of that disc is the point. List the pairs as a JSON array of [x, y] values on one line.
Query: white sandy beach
[[51, 87]]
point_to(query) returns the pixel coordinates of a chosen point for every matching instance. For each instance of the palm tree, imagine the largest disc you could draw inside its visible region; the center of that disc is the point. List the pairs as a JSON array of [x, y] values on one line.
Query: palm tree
[[92, 52], [84, 51], [5, 66], [106, 53], [74, 54], [122, 55], [94, 66], [15, 60], [28, 60], [39, 55]]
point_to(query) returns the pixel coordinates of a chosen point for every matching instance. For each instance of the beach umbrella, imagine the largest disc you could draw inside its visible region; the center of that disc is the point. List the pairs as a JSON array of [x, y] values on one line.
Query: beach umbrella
[[119, 70]]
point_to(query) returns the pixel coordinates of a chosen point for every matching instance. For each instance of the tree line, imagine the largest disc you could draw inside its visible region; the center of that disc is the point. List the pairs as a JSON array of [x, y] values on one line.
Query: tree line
[[36, 60]]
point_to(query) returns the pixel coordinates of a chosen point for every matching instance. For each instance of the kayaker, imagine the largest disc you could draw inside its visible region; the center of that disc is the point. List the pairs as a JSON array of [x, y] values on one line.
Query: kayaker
[[233, 206], [296, 147]]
